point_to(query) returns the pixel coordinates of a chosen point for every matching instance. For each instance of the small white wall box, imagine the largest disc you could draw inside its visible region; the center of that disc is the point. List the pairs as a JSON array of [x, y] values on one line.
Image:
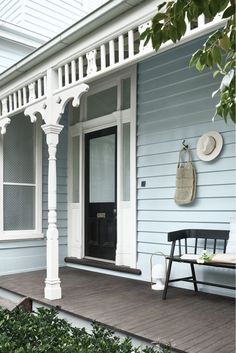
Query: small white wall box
[[158, 271]]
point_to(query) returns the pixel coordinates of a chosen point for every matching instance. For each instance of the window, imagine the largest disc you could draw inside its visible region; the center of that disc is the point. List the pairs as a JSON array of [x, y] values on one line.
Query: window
[[102, 103], [21, 170]]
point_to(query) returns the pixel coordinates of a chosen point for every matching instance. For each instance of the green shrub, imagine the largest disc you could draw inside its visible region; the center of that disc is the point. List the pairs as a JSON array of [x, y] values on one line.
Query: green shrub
[[45, 332]]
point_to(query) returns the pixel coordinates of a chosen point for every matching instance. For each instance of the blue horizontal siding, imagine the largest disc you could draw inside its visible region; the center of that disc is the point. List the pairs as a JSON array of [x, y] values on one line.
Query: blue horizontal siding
[[174, 103]]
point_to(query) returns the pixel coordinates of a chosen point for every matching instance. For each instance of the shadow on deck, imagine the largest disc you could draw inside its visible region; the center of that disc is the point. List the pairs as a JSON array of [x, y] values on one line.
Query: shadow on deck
[[190, 322]]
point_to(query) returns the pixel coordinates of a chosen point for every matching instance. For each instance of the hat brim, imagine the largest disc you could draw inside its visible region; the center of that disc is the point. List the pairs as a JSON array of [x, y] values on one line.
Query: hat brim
[[219, 144]]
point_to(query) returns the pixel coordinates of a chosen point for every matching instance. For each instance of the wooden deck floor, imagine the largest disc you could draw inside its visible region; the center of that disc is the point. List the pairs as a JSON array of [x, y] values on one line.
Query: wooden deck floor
[[193, 323]]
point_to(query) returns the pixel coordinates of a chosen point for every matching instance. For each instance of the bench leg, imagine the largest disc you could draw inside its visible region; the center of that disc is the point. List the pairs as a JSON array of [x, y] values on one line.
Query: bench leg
[[167, 280], [194, 277]]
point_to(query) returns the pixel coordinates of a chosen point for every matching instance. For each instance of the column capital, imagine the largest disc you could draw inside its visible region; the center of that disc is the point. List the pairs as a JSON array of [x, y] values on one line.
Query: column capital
[[52, 128]]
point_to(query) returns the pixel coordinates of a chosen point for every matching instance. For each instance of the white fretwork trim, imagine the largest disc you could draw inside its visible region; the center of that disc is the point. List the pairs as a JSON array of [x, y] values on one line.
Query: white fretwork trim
[[91, 60]]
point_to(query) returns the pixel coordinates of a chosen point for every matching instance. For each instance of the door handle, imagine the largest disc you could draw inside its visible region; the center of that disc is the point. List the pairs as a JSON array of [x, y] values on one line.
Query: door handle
[[114, 210], [101, 215]]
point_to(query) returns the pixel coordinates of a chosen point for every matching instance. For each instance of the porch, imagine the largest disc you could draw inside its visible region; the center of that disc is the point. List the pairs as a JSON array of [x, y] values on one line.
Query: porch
[[190, 322]]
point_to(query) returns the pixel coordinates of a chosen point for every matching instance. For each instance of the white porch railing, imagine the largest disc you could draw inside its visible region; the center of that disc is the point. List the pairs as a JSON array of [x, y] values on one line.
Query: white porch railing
[[23, 96], [115, 53]]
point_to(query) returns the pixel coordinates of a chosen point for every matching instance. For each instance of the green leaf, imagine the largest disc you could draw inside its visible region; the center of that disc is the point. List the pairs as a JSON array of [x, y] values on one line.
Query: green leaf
[[165, 35], [230, 11], [225, 43], [148, 37], [144, 34], [161, 5], [209, 60], [195, 57], [213, 39], [232, 113], [197, 10], [200, 66], [157, 26], [157, 40], [181, 28], [223, 4], [203, 58], [179, 6], [213, 7], [199, 3], [216, 73], [216, 54], [159, 17]]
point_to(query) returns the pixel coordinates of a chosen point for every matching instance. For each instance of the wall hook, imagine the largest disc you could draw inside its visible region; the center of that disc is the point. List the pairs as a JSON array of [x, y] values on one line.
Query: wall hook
[[185, 146]]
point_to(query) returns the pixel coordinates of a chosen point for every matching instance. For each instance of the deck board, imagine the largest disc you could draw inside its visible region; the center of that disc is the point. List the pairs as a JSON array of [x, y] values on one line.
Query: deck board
[[191, 322]]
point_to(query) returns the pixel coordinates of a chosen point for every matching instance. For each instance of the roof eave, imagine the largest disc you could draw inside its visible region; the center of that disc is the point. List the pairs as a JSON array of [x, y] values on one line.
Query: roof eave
[[105, 13]]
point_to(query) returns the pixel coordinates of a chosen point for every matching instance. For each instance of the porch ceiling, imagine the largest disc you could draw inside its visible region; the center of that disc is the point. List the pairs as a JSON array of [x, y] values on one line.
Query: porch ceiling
[[192, 323]]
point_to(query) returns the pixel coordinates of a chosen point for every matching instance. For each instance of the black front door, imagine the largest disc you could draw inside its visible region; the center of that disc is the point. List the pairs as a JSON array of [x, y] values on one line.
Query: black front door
[[100, 194]]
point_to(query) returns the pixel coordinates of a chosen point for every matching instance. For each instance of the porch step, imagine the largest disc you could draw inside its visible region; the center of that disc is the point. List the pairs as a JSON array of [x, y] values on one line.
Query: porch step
[[25, 304], [103, 265]]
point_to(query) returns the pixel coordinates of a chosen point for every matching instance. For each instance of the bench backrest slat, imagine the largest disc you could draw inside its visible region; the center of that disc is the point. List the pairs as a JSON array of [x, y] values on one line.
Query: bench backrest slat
[[186, 245], [214, 249], [196, 234], [225, 244], [195, 248], [205, 244]]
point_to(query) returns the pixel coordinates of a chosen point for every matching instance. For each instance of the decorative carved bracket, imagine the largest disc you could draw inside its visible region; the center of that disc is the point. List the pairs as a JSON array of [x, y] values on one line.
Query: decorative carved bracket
[[51, 109], [39, 107], [3, 124], [60, 100]]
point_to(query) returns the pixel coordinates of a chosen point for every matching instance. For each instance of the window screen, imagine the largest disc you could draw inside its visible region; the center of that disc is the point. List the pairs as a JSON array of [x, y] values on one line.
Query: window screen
[[19, 152], [19, 207], [19, 175]]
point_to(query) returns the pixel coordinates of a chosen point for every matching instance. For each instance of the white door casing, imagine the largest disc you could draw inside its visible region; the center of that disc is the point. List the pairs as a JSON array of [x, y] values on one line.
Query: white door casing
[[126, 210]]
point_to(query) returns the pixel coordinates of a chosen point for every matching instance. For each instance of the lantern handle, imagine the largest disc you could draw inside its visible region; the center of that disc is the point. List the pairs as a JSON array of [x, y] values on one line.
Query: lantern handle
[[158, 253]]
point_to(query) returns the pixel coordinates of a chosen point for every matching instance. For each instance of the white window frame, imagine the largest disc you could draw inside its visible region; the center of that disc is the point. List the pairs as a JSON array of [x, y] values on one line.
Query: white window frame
[[36, 233], [124, 208]]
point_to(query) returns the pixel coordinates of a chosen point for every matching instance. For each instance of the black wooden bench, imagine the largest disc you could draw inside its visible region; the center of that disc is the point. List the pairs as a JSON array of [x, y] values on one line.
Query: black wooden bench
[[193, 241]]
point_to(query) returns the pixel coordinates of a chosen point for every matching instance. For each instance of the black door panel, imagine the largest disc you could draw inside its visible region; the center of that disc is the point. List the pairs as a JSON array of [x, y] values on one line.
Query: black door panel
[[100, 210]]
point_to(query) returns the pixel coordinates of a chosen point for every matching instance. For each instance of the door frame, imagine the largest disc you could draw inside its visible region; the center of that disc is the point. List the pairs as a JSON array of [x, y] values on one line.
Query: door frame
[[126, 249]]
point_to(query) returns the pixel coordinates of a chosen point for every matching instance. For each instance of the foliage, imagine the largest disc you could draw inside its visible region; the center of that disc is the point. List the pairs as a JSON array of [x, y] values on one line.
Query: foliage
[[205, 257], [217, 53], [45, 332]]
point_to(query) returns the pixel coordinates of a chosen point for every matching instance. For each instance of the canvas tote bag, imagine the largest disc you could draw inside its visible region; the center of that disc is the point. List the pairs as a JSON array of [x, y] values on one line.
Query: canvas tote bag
[[185, 179]]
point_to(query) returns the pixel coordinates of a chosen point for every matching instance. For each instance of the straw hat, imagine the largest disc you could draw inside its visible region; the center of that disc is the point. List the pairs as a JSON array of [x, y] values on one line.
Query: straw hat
[[209, 146]]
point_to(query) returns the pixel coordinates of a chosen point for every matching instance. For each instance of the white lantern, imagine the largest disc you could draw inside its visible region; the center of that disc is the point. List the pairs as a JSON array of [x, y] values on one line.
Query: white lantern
[[158, 274]]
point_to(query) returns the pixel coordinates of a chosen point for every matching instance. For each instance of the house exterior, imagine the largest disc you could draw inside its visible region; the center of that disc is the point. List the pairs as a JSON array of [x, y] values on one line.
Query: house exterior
[[91, 127]]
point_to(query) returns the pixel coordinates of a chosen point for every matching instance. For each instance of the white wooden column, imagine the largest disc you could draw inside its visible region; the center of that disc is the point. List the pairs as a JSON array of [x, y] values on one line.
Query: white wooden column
[[52, 282]]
